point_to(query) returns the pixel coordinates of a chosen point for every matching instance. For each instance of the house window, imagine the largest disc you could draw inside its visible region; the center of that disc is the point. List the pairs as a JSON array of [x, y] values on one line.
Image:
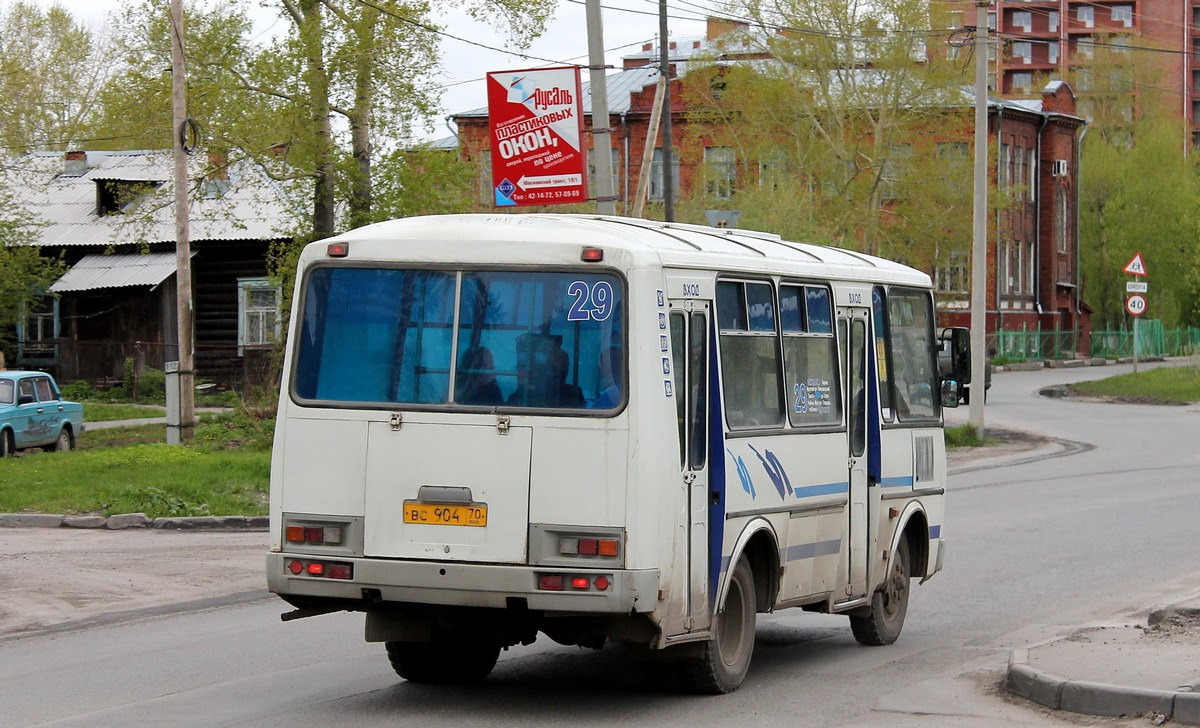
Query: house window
[[1123, 14], [1052, 19], [953, 150], [258, 314], [1004, 173], [1022, 81], [1085, 47], [1086, 14], [1023, 19], [1061, 228], [953, 277], [954, 20], [992, 22], [656, 174], [720, 171], [1030, 268], [592, 172], [1023, 50], [38, 330], [1052, 52], [115, 196], [1018, 170], [1031, 167]]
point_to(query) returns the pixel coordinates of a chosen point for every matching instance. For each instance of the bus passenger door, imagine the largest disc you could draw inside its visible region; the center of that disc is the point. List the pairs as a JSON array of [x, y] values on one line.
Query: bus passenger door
[[853, 333], [689, 355]]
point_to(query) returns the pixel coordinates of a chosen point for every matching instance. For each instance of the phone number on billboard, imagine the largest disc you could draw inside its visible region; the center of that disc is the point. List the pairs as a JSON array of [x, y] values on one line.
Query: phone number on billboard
[[553, 195]]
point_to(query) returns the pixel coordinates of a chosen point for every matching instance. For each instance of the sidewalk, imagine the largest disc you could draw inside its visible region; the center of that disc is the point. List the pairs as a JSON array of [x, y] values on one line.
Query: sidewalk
[[1148, 666]]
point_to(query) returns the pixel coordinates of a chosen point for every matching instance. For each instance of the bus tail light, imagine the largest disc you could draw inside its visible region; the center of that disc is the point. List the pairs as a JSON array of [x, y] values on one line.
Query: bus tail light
[[323, 569], [589, 546], [315, 535], [574, 582]]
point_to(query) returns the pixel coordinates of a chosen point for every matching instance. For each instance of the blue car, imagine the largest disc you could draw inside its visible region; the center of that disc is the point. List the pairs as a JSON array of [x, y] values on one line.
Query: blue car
[[34, 414]]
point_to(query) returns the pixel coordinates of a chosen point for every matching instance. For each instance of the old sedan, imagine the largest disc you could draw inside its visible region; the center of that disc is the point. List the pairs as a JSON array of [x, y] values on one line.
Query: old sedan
[[34, 414]]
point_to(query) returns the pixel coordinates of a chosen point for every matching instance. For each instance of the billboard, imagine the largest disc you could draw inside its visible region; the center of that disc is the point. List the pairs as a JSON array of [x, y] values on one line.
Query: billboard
[[536, 121]]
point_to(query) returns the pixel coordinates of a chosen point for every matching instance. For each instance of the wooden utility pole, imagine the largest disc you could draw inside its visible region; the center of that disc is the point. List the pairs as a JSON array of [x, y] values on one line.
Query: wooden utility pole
[[664, 60], [183, 253]]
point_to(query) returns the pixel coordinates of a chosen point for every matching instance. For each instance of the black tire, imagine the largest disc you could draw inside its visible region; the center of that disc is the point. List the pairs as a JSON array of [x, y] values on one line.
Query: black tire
[[726, 658], [8, 447], [65, 441], [443, 661], [889, 605]]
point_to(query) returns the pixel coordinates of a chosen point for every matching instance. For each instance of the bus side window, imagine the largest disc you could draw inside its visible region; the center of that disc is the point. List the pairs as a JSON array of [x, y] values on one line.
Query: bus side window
[[678, 369]]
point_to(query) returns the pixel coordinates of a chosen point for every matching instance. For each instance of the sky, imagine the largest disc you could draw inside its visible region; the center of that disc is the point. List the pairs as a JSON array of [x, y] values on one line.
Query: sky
[[476, 48]]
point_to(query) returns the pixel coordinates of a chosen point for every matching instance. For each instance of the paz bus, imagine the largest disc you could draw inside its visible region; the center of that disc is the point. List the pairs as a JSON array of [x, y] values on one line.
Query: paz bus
[[602, 429]]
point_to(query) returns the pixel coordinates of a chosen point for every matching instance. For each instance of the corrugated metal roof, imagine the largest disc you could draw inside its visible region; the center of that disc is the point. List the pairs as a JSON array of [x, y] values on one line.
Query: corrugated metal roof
[[116, 271], [252, 207]]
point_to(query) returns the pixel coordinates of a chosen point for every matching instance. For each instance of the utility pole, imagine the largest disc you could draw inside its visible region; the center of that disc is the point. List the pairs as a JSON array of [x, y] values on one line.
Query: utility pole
[[979, 241], [664, 61], [601, 131], [183, 254]]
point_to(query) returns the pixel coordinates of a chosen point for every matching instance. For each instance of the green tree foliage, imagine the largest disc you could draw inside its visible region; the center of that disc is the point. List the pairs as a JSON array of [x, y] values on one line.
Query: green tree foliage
[[24, 272], [319, 99], [1139, 191], [1140, 197], [842, 136], [50, 71]]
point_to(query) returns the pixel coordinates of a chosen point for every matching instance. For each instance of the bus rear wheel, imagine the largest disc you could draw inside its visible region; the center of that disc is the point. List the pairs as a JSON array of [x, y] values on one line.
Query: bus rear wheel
[[889, 605], [445, 659], [726, 658]]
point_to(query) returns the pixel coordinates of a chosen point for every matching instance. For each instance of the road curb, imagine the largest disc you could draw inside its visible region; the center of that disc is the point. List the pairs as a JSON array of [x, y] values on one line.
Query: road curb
[[136, 520], [1093, 698]]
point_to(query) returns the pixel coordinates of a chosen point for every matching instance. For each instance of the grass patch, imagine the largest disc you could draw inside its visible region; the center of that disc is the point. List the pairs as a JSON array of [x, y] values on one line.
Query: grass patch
[[224, 470], [965, 436], [1163, 385], [106, 412], [158, 480]]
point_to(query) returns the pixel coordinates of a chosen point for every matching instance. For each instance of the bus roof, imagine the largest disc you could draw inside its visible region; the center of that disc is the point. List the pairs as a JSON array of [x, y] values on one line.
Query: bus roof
[[671, 244]]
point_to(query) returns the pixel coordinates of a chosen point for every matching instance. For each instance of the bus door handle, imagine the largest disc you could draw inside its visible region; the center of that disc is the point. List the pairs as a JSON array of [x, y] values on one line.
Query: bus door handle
[[689, 477]]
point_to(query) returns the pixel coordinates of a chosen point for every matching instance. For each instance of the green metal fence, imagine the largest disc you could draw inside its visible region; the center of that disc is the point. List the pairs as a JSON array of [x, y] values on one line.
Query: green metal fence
[[1032, 344], [1153, 340]]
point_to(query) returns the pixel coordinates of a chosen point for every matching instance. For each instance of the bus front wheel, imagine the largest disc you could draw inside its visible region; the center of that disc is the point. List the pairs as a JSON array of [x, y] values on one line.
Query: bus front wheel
[[443, 660], [726, 657], [889, 605]]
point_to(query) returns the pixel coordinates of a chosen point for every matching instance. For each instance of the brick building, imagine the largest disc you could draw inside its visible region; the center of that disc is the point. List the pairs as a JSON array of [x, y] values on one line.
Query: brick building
[[1033, 251], [1045, 39]]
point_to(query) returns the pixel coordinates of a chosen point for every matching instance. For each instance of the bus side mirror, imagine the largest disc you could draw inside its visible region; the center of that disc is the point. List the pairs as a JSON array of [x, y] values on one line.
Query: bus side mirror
[[954, 354], [950, 393]]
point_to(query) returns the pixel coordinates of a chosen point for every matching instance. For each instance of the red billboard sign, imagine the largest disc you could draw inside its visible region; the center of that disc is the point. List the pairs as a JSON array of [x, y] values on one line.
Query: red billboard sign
[[536, 120]]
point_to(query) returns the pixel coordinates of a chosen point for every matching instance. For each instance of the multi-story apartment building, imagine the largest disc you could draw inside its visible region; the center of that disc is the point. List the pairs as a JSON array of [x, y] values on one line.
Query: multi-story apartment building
[[1042, 40]]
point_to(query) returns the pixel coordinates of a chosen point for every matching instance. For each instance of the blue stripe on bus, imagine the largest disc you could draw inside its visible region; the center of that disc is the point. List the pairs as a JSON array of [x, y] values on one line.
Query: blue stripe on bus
[[808, 491], [813, 550], [716, 471], [935, 531], [903, 481]]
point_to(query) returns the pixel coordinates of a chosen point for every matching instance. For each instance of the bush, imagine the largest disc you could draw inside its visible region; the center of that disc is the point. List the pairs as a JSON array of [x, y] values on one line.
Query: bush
[[78, 391]]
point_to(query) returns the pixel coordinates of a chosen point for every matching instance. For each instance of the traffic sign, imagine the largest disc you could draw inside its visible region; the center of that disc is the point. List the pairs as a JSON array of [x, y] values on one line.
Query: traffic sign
[[1136, 304], [1136, 286], [1135, 266]]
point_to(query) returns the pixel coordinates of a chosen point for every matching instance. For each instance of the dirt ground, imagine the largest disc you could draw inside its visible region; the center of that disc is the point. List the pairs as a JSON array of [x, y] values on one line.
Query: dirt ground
[[62, 576]]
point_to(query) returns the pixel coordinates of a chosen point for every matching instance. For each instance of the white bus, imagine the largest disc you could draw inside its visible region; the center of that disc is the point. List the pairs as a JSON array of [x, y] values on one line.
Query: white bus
[[603, 429]]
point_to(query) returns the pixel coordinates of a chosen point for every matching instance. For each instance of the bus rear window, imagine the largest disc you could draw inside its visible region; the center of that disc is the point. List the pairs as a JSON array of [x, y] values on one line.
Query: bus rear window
[[495, 339]]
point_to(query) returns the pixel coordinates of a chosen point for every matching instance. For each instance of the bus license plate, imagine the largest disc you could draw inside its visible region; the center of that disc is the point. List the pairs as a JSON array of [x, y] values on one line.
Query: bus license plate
[[444, 514]]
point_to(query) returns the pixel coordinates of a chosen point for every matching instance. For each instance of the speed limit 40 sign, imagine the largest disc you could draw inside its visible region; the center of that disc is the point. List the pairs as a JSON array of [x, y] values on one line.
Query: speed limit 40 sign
[[1136, 304]]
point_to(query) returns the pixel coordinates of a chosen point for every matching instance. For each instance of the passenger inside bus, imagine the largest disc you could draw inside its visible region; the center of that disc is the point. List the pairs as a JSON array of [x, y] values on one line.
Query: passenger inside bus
[[612, 373], [475, 379], [542, 366]]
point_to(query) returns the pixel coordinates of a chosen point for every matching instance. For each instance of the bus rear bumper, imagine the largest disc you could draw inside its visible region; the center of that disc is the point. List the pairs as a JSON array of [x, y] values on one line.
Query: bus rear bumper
[[472, 585]]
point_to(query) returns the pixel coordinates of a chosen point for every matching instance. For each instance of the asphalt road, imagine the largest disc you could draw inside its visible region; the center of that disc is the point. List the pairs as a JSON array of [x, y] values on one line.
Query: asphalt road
[[1034, 549]]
